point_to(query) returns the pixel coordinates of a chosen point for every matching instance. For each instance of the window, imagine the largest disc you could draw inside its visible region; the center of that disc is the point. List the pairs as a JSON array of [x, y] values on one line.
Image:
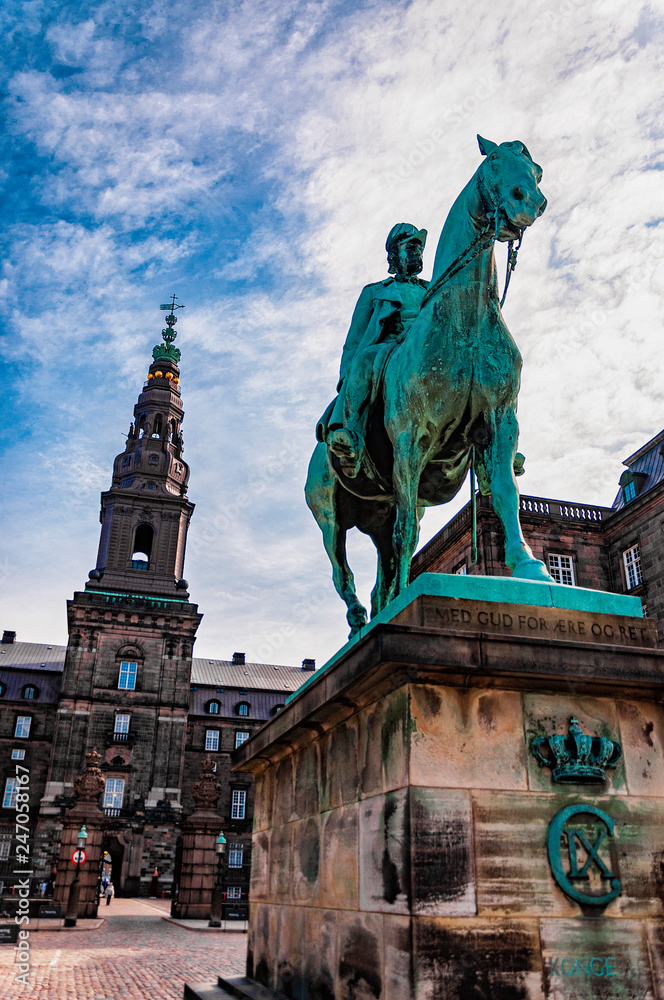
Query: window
[[213, 707], [113, 793], [239, 804], [235, 855], [632, 560], [121, 724], [30, 691], [5, 848], [461, 570], [277, 709], [645, 610], [240, 738], [18, 754], [234, 892], [242, 708], [22, 731], [11, 791], [561, 569], [3, 688], [127, 678], [629, 491], [211, 739]]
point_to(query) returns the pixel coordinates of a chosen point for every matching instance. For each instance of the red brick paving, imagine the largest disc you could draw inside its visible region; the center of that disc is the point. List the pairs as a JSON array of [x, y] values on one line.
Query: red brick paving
[[135, 955]]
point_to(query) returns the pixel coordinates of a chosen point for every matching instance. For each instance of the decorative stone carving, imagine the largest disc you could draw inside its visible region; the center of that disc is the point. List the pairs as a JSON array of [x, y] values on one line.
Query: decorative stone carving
[[206, 791], [90, 783], [576, 758]]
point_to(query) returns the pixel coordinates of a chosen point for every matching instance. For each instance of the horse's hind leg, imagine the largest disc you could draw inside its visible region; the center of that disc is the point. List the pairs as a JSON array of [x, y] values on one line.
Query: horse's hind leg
[[498, 461], [406, 481], [381, 536], [334, 540]]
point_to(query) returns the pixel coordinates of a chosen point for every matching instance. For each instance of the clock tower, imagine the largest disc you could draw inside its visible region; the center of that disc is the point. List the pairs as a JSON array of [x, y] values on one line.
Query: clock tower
[[127, 674]]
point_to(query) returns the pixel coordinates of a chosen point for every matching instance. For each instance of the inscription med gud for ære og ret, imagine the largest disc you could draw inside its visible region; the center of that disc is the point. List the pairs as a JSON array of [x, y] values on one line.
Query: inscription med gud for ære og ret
[[546, 622]]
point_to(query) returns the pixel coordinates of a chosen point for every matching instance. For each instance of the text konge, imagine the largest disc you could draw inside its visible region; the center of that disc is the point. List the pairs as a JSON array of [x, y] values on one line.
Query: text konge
[[582, 967]]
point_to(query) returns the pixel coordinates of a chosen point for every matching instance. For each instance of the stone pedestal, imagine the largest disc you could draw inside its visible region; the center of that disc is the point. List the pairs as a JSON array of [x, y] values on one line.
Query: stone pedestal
[[199, 860], [402, 819]]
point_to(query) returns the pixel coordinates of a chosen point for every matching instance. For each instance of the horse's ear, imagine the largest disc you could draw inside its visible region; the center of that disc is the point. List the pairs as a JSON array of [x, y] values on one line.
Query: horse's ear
[[486, 146]]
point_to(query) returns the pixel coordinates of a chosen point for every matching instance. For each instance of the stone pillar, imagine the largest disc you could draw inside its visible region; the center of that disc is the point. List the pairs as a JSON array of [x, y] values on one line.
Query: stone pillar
[[88, 787], [199, 835]]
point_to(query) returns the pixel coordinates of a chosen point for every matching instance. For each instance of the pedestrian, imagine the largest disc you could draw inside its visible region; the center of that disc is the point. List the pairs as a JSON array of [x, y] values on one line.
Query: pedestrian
[[110, 892]]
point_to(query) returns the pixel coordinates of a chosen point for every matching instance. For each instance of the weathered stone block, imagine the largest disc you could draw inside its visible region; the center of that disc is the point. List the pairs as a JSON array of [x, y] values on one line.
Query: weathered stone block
[[598, 959], [360, 956], [642, 737], [441, 852], [511, 865], [281, 864], [339, 782], [307, 781], [339, 880], [397, 957], [384, 853], [456, 733], [471, 958], [306, 860]]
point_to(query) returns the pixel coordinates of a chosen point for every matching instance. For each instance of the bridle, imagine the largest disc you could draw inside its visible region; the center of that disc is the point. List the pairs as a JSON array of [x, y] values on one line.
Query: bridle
[[483, 241]]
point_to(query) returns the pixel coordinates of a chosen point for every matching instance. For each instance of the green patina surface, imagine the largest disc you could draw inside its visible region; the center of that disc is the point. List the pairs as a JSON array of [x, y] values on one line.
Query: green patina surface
[[498, 589]]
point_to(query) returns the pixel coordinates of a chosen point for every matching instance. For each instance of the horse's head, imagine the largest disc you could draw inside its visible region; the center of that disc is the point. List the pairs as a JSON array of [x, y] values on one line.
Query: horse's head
[[509, 180]]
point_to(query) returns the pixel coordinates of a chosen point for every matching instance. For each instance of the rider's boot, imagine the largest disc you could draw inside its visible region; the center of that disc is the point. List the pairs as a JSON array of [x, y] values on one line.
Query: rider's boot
[[341, 444]]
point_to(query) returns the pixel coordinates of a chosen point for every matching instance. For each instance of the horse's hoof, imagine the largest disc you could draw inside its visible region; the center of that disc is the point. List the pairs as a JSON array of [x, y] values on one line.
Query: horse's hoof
[[357, 619], [532, 569]]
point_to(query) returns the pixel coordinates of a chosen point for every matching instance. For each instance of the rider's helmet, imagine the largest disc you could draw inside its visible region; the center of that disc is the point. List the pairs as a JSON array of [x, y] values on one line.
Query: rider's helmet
[[402, 232]]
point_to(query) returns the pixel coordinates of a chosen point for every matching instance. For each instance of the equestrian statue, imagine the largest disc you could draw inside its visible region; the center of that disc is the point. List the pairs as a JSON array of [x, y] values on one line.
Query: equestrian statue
[[428, 387]]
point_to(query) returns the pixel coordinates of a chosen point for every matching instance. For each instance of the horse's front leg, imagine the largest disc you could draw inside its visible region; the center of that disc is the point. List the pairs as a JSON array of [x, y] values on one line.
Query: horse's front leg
[[498, 461], [406, 481]]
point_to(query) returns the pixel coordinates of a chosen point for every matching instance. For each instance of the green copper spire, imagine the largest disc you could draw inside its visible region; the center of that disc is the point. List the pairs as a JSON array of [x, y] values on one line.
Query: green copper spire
[[166, 351]]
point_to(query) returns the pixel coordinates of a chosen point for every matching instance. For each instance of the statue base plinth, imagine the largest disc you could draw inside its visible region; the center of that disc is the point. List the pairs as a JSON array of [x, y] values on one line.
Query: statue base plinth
[[402, 846]]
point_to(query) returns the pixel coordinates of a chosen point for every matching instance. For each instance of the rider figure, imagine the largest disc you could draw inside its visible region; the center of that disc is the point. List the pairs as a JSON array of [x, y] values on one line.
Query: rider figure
[[383, 315]]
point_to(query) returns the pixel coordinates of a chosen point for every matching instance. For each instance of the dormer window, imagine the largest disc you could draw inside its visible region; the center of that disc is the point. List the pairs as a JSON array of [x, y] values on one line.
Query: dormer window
[[242, 708], [213, 707], [632, 484], [30, 692]]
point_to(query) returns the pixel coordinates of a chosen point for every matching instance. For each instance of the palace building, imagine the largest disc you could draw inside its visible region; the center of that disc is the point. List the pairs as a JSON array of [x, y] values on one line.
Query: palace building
[[127, 682], [618, 548]]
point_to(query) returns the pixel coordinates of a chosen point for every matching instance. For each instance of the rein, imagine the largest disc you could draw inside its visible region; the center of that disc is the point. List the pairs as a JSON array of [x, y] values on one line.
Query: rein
[[474, 250]]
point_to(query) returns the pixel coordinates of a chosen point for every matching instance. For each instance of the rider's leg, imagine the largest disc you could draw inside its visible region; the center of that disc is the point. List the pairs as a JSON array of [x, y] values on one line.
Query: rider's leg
[[347, 425]]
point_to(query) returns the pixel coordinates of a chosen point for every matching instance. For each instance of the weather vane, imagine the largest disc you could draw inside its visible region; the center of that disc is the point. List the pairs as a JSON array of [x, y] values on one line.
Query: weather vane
[[169, 333], [166, 350]]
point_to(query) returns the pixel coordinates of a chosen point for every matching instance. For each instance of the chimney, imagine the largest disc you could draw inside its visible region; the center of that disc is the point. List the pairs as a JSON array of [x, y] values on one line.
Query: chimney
[[308, 664], [238, 658], [8, 638]]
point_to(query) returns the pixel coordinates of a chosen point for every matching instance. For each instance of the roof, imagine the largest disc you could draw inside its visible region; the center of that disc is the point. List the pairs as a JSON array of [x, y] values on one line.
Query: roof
[[261, 705], [245, 676], [48, 687], [213, 673], [647, 460], [32, 656]]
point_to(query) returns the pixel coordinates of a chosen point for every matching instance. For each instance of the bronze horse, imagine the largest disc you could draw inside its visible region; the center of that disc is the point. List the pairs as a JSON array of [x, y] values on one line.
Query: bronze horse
[[448, 396]]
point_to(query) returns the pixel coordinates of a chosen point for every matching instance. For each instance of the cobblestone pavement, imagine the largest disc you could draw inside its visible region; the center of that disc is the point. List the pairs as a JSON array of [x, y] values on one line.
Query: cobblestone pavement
[[135, 955]]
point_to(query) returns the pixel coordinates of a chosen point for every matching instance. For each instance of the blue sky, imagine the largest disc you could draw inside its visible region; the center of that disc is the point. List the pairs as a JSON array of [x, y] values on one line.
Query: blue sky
[[251, 157]]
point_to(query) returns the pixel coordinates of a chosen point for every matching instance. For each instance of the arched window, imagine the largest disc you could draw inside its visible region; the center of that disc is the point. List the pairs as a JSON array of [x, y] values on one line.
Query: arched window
[[277, 709], [174, 430], [141, 426], [156, 431], [30, 692], [242, 708], [213, 707], [140, 557]]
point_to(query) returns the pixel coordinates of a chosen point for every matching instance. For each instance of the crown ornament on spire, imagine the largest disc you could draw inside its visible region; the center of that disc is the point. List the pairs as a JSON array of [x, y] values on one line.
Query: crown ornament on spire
[[166, 351], [576, 758]]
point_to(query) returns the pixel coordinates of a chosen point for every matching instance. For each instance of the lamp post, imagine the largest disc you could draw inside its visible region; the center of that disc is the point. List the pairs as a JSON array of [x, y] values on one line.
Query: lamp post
[[217, 892], [75, 888]]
